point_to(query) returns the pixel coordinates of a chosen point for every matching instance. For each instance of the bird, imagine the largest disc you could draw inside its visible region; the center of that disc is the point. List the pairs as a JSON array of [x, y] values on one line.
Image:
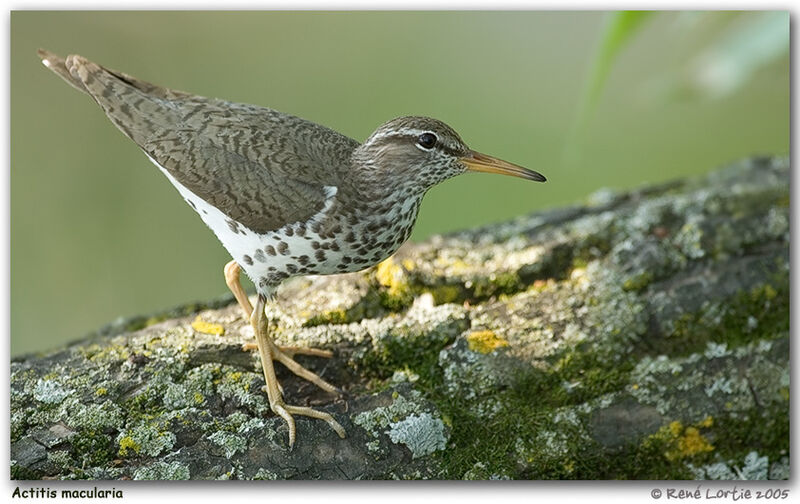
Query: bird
[[285, 196]]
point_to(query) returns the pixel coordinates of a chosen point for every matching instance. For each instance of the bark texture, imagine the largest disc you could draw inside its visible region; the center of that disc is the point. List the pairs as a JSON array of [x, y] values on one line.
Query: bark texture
[[644, 334]]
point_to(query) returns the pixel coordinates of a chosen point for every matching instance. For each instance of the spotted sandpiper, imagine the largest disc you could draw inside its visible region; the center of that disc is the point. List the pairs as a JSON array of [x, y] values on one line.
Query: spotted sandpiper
[[285, 196]]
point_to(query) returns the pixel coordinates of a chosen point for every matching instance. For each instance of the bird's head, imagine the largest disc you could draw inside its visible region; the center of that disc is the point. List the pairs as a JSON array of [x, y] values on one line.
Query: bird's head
[[422, 152]]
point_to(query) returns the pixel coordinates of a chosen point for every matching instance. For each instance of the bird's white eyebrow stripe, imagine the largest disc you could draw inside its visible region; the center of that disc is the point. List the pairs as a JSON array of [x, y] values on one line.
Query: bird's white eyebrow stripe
[[402, 131], [409, 132]]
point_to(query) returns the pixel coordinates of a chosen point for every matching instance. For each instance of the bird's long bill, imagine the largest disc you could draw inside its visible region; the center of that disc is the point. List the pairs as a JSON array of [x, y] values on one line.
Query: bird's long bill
[[478, 162]]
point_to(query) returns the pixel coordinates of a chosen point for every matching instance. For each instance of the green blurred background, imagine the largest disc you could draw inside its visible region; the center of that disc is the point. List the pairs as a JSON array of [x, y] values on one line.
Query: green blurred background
[[591, 102]]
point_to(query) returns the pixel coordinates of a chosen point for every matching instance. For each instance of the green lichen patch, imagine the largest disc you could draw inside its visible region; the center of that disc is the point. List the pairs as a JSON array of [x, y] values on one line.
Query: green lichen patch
[[144, 439], [231, 444], [51, 391], [192, 391], [423, 434], [407, 420], [105, 415], [163, 471]]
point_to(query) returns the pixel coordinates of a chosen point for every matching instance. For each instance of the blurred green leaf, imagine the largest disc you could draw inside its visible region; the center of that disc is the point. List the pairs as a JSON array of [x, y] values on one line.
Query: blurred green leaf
[[619, 28]]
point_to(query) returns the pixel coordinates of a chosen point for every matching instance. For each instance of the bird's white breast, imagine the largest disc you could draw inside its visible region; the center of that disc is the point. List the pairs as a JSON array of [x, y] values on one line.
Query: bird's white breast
[[247, 246]]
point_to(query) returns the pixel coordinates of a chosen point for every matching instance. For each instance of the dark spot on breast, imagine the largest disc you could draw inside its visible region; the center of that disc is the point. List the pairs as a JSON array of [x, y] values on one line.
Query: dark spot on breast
[[303, 259], [315, 245], [283, 248], [191, 203], [259, 255], [289, 231], [320, 255], [301, 230], [248, 260], [269, 249], [291, 268], [233, 226], [350, 238], [335, 246], [346, 260]]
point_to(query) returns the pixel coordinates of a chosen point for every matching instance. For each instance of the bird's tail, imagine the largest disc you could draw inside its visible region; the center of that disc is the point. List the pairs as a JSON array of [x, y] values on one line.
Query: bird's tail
[[58, 65], [79, 73], [136, 107]]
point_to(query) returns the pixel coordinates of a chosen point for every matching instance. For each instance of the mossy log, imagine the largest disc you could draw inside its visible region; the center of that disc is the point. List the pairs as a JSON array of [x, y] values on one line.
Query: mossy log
[[644, 334]]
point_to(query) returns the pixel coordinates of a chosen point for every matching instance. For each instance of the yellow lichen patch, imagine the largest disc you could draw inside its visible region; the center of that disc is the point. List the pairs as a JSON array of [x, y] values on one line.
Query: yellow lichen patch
[[408, 264], [688, 441], [389, 274], [101, 391], [204, 327], [127, 443], [692, 443], [392, 276], [485, 341]]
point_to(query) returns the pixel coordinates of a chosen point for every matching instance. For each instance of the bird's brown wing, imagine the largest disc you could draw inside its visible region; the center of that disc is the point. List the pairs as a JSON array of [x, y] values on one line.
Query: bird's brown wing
[[260, 167]]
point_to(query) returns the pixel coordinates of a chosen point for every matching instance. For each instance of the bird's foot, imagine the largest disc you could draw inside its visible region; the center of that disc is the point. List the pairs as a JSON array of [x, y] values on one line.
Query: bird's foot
[[270, 352], [286, 411], [284, 355]]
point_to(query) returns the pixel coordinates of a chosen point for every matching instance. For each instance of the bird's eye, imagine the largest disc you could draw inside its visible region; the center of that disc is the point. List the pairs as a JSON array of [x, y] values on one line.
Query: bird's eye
[[427, 140]]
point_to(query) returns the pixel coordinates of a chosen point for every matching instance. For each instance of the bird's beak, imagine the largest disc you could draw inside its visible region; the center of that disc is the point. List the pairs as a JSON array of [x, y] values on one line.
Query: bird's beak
[[478, 162]]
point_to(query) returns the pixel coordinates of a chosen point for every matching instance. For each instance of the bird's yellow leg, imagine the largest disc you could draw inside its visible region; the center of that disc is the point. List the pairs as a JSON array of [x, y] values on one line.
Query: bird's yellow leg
[[266, 349], [232, 270]]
